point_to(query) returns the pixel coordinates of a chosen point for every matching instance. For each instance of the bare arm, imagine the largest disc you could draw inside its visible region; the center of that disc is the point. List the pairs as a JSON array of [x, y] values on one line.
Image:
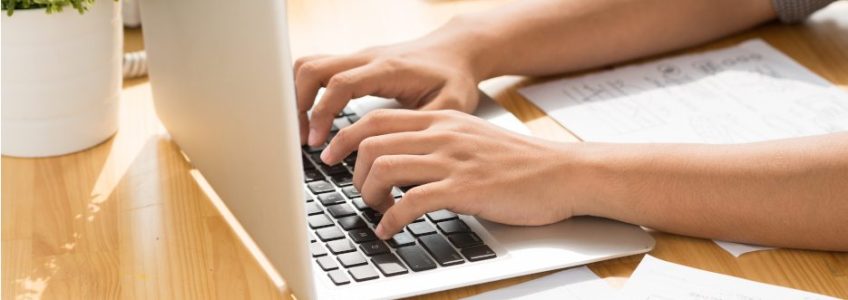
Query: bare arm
[[554, 36], [534, 37], [790, 193]]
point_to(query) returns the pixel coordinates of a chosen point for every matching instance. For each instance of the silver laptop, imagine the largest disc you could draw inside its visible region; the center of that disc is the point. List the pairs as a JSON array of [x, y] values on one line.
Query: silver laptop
[[223, 87]]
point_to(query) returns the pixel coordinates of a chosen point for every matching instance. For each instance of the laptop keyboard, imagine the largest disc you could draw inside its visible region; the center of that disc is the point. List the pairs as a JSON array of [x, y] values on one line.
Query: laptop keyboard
[[342, 240]]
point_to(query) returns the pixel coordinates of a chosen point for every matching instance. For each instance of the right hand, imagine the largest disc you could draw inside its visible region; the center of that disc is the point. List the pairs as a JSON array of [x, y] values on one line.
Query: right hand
[[431, 73]]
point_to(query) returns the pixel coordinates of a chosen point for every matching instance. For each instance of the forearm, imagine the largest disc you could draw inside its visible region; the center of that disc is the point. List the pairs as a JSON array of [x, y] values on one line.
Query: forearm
[[791, 193], [544, 37]]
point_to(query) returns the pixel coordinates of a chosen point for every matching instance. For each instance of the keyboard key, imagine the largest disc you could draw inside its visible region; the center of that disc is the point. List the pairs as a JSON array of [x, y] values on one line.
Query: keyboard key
[[351, 192], [312, 175], [401, 239], [317, 250], [374, 247], [340, 246], [363, 273], [452, 226], [350, 160], [307, 165], [415, 258], [342, 179], [311, 236], [362, 235], [347, 111], [351, 259], [340, 210], [319, 221], [465, 240], [312, 208], [327, 263], [329, 234], [439, 248], [341, 123], [316, 158], [351, 222], [360, 204], [372, 216], [310, 149], [421, 228], [389, 264], [353, 118], [331, 198], [334, 169], [396, 193], [480, 252], [320, 186], [420, 219], [338, 277], [441, 215]]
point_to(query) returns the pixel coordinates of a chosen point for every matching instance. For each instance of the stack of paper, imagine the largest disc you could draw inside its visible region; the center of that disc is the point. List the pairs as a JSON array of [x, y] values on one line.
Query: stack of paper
[[652, 279]]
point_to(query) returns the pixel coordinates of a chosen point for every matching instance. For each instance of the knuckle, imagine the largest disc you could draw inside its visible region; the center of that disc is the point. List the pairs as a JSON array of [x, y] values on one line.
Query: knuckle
[[319, 112], [381, 165], [340, 81], [444, 137], [369, 145], [307, 69], [375, 117], [417, 193], [299, 62], [392, 63]]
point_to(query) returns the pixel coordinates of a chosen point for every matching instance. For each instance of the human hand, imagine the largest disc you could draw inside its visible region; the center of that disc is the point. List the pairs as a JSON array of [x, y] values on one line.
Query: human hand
[[456, 162], [431, 73]]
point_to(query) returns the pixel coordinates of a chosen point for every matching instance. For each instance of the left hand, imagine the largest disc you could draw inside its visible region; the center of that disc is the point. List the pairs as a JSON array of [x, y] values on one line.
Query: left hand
[[457, 162]]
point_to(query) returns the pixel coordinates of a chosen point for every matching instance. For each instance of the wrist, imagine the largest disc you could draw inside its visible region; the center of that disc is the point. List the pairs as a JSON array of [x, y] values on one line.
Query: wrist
[[468, 38], [596, 179]]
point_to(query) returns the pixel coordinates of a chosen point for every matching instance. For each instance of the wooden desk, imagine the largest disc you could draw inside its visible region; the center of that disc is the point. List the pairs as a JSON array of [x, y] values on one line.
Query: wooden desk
[[125, 218]]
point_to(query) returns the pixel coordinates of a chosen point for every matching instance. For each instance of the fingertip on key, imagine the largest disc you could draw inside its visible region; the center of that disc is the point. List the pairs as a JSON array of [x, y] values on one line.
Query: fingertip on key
[[313, 138], [381, 233]]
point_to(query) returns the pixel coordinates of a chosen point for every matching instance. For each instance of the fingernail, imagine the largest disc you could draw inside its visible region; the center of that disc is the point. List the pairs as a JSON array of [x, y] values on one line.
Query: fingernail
[[325, 155], [313, 137], [379, 232]]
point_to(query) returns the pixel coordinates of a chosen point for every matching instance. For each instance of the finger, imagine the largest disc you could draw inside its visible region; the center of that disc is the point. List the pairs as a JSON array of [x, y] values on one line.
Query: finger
[[413, 142], [341, 88], [454, 96], [300, 61], [415, 203], [395, 170], [374, 123], [303, 118], [303, 125], [314, 72]]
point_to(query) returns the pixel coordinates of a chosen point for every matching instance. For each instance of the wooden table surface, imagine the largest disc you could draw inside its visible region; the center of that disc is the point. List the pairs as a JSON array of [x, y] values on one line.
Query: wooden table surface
[[126, 219]]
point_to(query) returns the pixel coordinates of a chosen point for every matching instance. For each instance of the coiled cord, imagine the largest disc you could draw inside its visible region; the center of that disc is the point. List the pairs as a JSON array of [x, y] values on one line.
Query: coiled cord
[[135, 64]]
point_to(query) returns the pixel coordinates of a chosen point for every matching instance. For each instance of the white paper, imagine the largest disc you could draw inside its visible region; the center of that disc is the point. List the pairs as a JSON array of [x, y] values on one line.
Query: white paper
[[746, 93], [737, 249], [750, 92], [658, 279], [576, 283]]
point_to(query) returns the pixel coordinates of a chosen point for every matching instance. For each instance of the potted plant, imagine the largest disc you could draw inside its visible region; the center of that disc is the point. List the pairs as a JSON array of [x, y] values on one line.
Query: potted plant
[[61, 75]]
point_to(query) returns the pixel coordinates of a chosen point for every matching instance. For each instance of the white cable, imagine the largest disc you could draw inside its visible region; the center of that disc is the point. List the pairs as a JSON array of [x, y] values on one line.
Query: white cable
[[135, 64]]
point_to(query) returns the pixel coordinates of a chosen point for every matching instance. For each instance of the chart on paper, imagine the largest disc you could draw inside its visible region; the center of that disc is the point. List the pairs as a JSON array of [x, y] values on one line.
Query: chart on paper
[[747, 93]]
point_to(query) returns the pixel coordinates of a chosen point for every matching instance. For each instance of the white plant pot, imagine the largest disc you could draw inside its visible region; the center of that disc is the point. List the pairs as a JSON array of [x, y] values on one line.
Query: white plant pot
[[61, 79]]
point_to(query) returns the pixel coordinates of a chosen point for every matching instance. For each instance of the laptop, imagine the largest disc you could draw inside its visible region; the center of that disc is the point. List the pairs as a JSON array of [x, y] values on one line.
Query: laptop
[[223, 87]]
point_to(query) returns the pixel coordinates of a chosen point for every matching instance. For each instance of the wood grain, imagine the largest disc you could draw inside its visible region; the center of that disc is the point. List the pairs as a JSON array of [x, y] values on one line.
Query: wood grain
[[126, 219]]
